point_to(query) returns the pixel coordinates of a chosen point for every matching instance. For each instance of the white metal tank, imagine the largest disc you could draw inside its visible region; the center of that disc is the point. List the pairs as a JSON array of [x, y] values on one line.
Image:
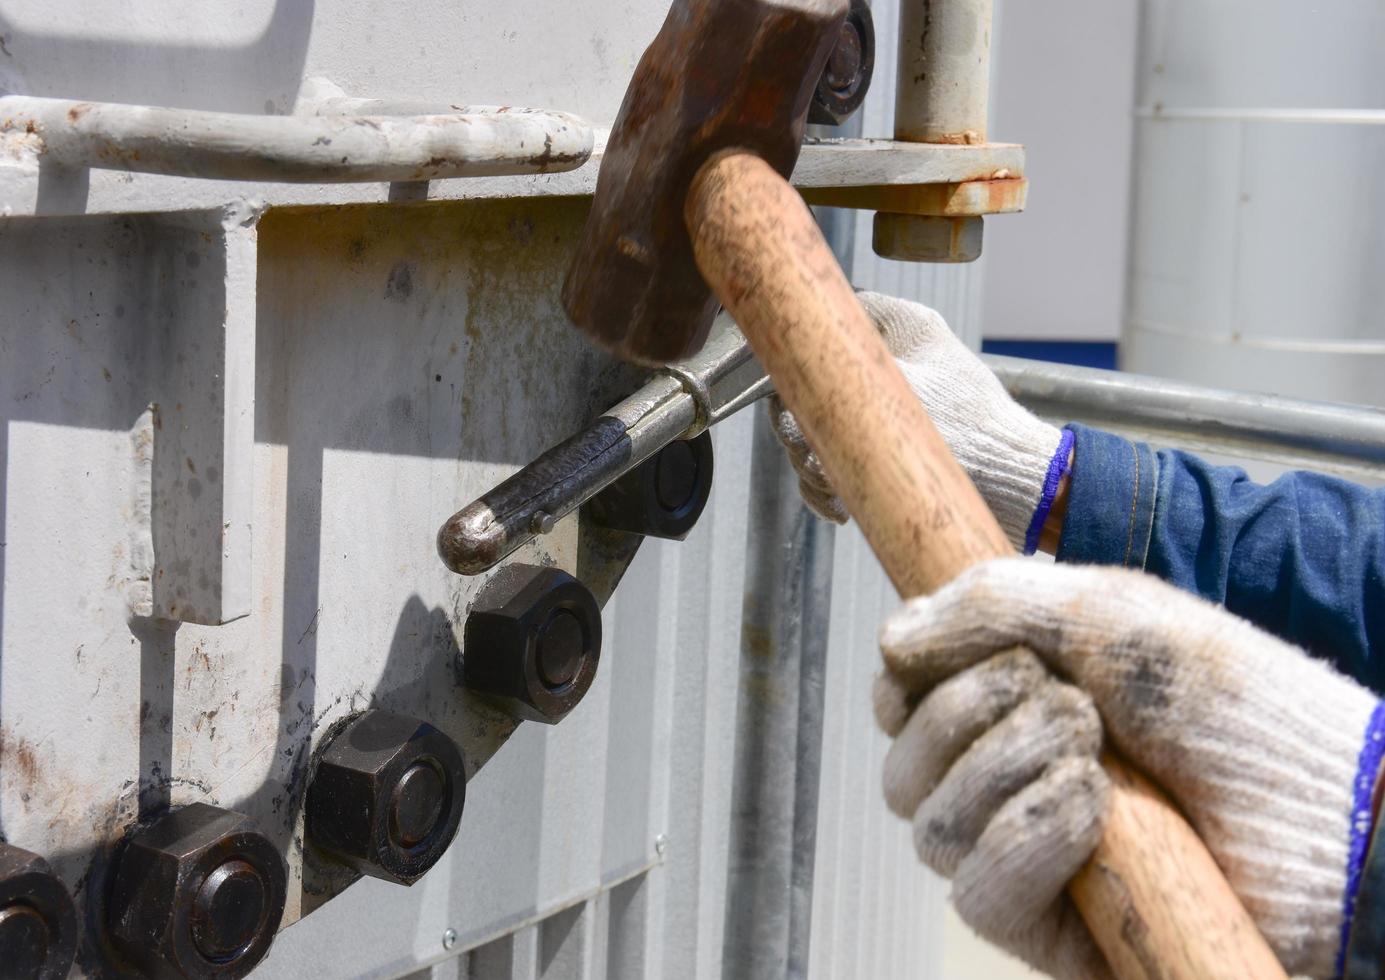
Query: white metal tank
[[1257, 242]]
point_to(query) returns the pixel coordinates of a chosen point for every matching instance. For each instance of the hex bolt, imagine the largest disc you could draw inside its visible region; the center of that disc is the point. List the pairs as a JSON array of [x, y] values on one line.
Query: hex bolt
[[38, 921], [532, 641], [387, 796], [847, 74], [416, 804], [844, 64], [24, 940], [227, 910], [197, 894], [675, 476], [561, 642], [662, 497], [926, 238]]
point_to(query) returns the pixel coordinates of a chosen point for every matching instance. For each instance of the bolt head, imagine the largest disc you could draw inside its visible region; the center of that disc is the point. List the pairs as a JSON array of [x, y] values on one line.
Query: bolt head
[[387, 796], [927, 238], [843, 72], [449, 939], [532, 642], [38, 922], [846, 77], [417, 802], [198, 893], [675, 476], [24, 940], [664, 496], [561, 648], [228, 910]]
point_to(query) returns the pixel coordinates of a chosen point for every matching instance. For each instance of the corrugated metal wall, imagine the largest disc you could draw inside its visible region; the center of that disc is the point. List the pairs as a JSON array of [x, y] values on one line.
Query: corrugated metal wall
[[662, 713]]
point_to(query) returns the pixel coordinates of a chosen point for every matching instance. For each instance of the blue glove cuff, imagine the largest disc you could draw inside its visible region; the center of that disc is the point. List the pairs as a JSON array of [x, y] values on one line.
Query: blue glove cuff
[[1057, 467], [1358, 869]]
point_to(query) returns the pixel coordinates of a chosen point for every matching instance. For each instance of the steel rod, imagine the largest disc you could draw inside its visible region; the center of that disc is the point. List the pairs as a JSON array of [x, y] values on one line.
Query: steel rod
[[472, 141], [1342, 438]]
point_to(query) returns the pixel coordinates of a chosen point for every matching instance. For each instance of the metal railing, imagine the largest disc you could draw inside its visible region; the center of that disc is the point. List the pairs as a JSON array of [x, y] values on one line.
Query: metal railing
[[1348, 440]]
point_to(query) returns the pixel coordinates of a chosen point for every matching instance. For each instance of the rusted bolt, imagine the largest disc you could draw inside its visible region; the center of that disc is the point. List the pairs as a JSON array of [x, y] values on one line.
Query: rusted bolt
[[926, 238], [38, 923], [847, 74], [844, 65], [664, 496], [199, 893], [532, 642], [387, 796]]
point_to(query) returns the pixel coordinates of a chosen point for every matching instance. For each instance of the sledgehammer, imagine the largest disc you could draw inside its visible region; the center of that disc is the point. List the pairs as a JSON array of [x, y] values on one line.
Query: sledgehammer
[[691, 208]]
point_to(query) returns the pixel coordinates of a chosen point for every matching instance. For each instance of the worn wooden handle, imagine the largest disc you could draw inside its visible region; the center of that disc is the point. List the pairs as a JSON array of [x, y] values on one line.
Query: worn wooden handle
[[1152, 895]]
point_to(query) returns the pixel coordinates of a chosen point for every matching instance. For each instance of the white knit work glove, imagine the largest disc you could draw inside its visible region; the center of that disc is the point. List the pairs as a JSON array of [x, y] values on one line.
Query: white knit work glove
[[1006, 450], [1261, 747]]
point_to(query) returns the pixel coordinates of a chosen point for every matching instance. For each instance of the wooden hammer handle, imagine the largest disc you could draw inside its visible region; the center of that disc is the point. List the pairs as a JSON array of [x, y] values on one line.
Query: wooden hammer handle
[[1154, 898]]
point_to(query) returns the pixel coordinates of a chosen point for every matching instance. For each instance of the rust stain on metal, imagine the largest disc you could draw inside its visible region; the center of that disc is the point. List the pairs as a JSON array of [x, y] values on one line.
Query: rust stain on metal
[[19, 753], [968, 137], [957, 200]]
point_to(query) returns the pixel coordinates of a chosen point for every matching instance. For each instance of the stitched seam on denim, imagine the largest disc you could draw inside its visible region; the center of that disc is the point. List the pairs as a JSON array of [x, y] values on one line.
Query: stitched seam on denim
[[1134, 500], [1153, 504]]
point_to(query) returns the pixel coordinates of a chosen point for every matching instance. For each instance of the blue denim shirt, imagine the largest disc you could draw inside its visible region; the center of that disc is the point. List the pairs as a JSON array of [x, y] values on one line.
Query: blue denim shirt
[[1303, 557]]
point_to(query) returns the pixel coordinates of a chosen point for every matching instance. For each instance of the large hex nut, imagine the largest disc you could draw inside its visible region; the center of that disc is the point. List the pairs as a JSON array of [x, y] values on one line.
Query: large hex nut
[[199, 893], [532, 642], [38, 922], [387, 796], [662, 497], [846, 77]]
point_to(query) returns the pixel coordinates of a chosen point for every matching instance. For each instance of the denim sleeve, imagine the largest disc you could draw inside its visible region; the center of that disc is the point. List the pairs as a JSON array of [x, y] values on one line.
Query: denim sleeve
[[1302, 557]]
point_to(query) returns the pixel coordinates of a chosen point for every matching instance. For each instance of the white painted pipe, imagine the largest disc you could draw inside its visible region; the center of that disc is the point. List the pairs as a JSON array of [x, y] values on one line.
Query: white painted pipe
[[944, 71], [468, 141], [1330, 117]]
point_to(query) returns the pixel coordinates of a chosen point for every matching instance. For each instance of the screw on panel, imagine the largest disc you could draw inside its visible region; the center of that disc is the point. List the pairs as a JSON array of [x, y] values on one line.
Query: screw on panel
[[449, 939], [662, 497], [199, 893], [660, 845], [847, 74], [38, 922], [532, 641], [387, 796]]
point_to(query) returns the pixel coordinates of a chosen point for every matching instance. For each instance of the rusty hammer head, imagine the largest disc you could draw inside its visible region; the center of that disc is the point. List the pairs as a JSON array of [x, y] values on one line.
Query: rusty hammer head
[[720, 74]]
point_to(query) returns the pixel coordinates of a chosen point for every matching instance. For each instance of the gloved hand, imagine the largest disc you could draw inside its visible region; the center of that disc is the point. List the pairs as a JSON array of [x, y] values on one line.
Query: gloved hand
[[1007, 451], [1261, 747]]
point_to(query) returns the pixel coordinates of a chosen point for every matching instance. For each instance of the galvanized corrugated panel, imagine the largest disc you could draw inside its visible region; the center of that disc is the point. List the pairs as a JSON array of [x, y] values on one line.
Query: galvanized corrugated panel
[[877, 912], [649, 756]]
